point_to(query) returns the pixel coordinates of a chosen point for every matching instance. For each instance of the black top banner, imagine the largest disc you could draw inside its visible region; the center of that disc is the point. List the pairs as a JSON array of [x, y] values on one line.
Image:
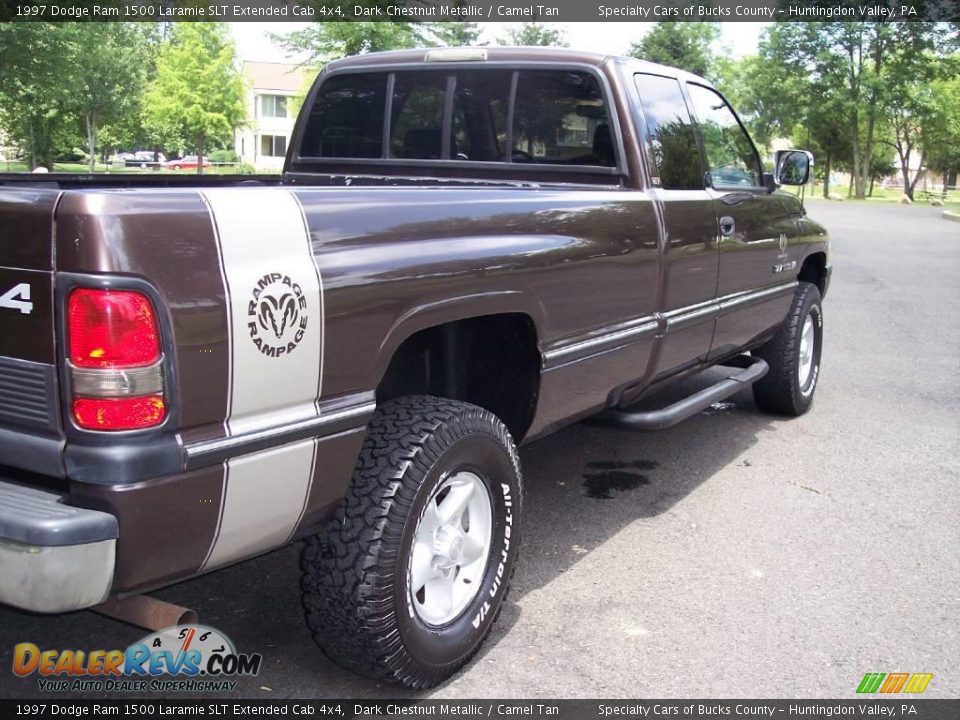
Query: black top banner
[[461, 709], [479, 10]]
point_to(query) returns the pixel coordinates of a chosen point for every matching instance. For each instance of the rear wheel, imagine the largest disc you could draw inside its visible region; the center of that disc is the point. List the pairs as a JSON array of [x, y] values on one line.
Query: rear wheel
[[408, 578], [793, 355]]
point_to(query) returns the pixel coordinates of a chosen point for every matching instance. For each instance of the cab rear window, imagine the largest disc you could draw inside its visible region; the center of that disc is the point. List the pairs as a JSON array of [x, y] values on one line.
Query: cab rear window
[[346, 120], [531, 117]]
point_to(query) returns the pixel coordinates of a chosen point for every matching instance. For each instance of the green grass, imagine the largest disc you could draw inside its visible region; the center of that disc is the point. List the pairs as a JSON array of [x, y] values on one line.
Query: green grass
[[880, 195], [100, 168]]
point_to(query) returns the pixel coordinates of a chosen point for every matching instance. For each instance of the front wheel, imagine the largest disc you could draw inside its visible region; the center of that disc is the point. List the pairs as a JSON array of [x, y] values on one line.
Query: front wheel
[[409, 576], [793, 355]]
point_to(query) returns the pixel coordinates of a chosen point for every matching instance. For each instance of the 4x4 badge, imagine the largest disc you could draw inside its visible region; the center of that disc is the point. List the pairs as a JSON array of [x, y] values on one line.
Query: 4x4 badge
[[18, 298]]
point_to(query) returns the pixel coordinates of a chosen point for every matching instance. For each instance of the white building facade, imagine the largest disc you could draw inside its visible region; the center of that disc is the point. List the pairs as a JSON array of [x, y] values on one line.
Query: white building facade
[[272, 92]]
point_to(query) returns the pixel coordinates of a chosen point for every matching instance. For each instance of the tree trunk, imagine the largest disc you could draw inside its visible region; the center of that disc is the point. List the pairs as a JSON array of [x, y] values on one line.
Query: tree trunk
[[850, 188], [921, 171], [826, 178], [872, 178], [950, 179], [33, 146], [91, 139]]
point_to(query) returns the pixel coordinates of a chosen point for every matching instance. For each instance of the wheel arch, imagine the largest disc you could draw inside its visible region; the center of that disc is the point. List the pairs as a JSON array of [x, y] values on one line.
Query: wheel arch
[[814, 270], [478, 349]]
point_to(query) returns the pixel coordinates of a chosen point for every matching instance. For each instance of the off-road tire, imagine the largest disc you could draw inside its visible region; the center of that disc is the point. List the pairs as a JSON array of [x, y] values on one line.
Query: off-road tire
[[355, 583], [780, 391]]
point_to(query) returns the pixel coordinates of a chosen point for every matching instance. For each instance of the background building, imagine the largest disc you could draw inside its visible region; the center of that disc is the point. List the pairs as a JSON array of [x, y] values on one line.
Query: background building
[[274, 91]]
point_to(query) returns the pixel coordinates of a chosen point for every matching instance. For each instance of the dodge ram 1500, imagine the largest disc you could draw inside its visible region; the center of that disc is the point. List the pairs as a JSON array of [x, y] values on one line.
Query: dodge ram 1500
[[467, 249]]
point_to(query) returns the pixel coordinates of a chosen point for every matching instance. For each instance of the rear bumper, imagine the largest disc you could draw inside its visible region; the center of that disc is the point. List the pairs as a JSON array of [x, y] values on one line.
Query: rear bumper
[[53, 557]]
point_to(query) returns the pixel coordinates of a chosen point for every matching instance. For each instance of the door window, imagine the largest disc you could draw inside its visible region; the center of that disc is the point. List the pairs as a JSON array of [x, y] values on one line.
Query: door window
[[731, 158], [674, 156]]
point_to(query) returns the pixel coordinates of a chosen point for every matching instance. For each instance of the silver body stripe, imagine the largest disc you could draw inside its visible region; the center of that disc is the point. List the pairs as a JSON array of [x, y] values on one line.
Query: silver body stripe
[[266, 492], [275, 309]]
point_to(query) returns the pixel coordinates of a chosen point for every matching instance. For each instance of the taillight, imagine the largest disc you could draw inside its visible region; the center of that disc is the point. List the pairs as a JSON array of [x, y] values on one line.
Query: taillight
[[116, 363], [112, 328]]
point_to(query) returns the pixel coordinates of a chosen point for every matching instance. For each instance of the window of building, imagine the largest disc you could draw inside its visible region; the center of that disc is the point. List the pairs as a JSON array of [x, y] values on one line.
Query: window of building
[[731, 158], [274, 106], [675, 158], [273, 145]]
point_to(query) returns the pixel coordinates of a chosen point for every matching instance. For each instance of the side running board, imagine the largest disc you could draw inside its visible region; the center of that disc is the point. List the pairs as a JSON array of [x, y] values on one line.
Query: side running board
[[681, 410]]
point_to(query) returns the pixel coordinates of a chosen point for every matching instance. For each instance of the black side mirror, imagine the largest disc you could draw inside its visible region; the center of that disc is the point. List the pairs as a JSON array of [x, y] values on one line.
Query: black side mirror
[[792, 167]]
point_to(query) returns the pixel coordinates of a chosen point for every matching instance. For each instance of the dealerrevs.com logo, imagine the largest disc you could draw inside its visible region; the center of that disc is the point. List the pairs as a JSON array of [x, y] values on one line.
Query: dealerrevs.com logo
[[187, 658]]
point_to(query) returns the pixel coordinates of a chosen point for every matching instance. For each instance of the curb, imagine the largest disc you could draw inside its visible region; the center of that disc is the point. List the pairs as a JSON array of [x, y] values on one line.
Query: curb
[[951, 216]]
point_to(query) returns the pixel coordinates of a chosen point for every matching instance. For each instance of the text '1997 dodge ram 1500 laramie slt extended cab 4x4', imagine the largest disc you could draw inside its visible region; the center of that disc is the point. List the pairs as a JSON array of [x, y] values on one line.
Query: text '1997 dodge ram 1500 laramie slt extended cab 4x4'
[[468, 249]]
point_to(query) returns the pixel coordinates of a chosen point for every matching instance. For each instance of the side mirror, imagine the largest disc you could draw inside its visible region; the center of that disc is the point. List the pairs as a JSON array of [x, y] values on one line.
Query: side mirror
[[792, 167]]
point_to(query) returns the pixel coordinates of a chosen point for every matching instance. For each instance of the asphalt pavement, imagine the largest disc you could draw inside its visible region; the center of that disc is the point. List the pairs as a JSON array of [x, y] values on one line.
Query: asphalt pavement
[[734, 555]]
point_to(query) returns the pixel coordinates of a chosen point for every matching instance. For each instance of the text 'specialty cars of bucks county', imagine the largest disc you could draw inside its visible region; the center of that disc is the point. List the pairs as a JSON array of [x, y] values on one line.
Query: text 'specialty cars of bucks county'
[[467, 250]]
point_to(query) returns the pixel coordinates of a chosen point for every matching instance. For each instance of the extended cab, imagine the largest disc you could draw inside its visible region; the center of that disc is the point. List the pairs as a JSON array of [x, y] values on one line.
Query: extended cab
[[468, 249]]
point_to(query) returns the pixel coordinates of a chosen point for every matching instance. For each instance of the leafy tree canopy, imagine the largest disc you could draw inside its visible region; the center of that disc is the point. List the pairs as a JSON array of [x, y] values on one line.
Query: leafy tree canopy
[[197, 98], [534, 34], [686, 45]]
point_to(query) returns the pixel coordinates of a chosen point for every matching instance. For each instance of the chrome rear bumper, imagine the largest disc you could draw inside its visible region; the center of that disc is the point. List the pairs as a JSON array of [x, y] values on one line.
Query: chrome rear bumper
[[53, 557]]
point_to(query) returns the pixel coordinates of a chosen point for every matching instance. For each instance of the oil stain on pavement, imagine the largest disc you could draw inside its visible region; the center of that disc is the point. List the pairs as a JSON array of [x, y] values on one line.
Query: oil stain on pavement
[[609, 476]]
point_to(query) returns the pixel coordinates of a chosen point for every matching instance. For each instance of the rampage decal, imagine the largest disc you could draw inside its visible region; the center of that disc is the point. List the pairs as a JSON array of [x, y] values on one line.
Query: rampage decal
[[277, 315]]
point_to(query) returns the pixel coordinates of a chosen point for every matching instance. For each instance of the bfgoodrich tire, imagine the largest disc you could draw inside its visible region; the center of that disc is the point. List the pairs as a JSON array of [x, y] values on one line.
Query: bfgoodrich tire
[[434, 508], [793, 355]]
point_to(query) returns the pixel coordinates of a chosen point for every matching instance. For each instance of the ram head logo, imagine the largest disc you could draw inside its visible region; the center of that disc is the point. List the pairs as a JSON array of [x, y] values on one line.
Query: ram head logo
[[277, 314]]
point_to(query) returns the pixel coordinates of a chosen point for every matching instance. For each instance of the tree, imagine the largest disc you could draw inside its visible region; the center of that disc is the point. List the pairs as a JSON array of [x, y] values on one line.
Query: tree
[[109, 76], [770, 102], [197, 98], [853, 63], [327, 41], [534, 34], [941, 134], [35, 93], [456, 34], [686, 45]]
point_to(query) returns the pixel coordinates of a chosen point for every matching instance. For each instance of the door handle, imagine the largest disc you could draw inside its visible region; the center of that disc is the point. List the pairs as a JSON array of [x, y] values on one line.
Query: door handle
[[727, 226]]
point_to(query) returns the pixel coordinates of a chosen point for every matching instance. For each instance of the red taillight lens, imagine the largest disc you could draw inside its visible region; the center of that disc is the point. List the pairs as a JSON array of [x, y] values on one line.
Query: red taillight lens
[[119, 413], [111, 328], [115, 360]]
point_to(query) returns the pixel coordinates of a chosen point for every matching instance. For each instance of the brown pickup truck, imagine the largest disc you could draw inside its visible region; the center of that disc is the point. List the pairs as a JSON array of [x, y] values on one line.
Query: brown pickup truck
[[468, 249]]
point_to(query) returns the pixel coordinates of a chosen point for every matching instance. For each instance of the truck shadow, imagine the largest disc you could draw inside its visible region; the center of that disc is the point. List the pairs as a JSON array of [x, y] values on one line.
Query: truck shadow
[[583, 485]]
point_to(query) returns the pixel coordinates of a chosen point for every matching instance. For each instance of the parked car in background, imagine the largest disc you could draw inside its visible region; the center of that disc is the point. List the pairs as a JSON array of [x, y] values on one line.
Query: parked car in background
[[144, 159], [185, 163]]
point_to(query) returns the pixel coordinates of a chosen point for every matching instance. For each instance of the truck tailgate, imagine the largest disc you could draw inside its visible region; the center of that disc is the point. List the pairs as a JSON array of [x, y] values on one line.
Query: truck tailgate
[[29, 413]]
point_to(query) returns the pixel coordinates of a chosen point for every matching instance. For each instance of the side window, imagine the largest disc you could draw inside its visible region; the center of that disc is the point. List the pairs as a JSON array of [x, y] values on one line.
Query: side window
[[731, 158], [675, 161], [416, 128], [560, 117], [479, 122], [346, 120]]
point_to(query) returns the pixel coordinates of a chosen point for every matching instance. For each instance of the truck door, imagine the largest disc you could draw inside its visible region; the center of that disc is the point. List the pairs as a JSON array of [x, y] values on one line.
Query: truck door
[[689, 253], [756, 283]]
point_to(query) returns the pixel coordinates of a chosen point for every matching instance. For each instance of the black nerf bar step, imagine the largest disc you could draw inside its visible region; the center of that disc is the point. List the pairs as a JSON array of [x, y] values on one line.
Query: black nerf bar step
[[753, 369]]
